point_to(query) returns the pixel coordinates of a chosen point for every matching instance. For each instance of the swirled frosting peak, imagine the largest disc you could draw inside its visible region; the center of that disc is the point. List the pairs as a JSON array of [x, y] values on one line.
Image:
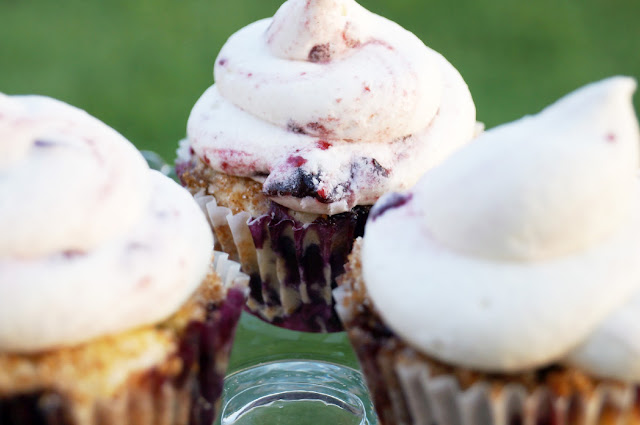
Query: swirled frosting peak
[[522, 248], [93, 242], [584, 147], [317, 30], [330, 106]]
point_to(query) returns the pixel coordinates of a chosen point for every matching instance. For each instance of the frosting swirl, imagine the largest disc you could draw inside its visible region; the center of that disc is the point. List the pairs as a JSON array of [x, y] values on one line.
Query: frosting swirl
[[93, 242], [522, 248], [330, 106]]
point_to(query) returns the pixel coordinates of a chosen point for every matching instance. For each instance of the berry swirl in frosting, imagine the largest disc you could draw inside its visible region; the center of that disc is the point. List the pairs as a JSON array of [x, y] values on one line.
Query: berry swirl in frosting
[[93, 242], [523, 248], [330, 106]]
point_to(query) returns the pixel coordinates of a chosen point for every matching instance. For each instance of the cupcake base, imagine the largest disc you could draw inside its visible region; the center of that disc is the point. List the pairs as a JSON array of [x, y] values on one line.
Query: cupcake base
[[184, 388], [298, 264], [293, 258], [410, 388]]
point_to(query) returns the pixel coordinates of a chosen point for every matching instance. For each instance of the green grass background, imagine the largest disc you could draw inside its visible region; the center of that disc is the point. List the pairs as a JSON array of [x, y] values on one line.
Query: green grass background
[[139, 65]]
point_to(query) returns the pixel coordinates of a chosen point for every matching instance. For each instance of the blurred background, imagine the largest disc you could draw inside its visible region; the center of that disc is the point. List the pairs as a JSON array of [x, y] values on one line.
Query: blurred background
[[140, 65]]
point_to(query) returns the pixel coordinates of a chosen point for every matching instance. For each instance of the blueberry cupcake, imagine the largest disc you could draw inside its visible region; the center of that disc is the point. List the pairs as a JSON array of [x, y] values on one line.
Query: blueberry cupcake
[[505, 286], [111, 308], [315, 114]]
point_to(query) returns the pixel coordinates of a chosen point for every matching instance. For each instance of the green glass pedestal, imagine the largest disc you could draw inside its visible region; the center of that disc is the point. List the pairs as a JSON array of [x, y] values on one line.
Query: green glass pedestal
[[278, 376]]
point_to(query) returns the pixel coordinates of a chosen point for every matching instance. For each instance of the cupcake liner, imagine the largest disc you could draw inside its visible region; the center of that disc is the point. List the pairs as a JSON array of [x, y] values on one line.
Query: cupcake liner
[[190, 397], [409, 388], [292, 265], [433, 399]]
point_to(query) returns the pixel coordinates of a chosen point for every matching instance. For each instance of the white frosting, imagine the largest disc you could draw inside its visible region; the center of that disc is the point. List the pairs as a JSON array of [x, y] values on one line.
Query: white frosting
[[520, 175], [93, 242], [368, 111], [611, 349], [53, 150], [522, 248]]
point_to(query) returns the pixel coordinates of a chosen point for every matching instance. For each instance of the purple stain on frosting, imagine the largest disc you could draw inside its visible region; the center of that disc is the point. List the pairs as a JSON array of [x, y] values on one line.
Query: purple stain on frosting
[[73, 254], [44, 143], [379, 169], [372, 165], [298, 183], [320, 53], [319, 128], [295, 128], [391, 201], [366, 168]]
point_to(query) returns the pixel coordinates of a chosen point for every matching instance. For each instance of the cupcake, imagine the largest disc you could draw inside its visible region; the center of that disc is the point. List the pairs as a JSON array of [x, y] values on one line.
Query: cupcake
[[111, 310], [315, 114], [505, 286]]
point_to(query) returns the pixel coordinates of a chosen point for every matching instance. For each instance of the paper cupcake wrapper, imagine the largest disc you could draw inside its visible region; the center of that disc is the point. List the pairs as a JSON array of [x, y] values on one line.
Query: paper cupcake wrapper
[[293, 266], [407, 390], [425, 398], [192, 397]]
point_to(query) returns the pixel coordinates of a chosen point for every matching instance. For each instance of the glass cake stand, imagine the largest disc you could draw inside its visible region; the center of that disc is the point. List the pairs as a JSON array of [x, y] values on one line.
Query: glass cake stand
[[278, 376], [281, 377]]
